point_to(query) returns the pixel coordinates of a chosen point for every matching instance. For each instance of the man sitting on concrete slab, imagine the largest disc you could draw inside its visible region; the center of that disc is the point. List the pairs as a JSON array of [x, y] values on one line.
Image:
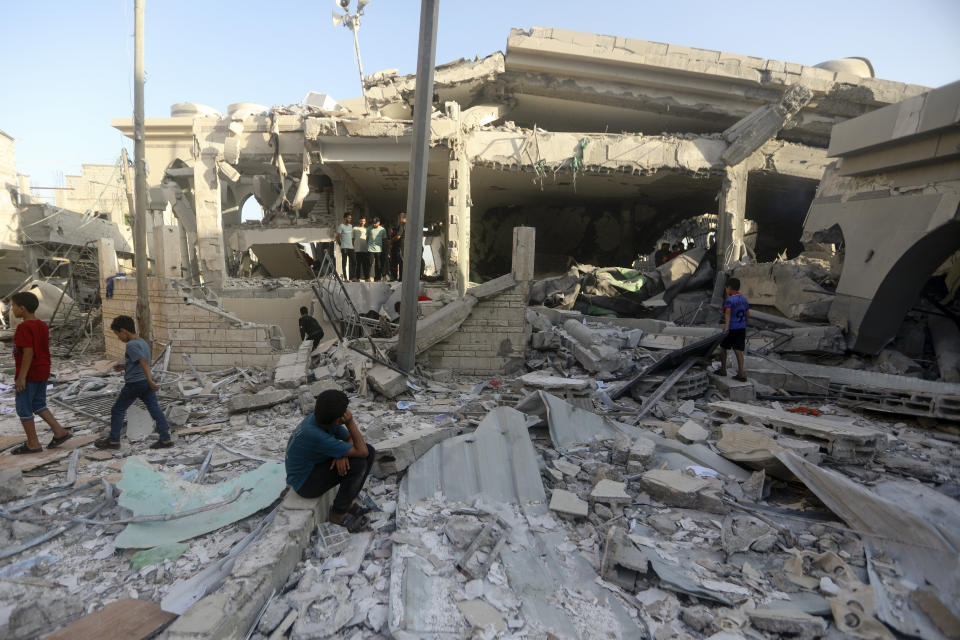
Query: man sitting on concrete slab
[[327, 450]]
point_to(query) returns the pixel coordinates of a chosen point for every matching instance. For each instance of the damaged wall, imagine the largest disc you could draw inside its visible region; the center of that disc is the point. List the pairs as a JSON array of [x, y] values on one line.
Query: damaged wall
[[211, 340]]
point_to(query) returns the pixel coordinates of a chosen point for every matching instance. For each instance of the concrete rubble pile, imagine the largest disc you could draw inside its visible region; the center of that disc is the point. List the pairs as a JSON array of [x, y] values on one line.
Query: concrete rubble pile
[[572, 496]]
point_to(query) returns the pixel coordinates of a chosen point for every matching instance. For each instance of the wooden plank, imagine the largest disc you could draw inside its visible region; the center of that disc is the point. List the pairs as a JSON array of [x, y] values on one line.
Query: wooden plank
[[30, 461], [203, 428], [122, 620], [7, 442]]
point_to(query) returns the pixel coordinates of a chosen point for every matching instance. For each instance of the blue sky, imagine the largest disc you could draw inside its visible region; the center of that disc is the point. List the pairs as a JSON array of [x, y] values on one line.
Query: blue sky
[[69, 64]]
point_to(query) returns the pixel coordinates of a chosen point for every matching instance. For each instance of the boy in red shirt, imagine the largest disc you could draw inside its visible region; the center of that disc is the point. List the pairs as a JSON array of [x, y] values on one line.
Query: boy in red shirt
[[31, 352]]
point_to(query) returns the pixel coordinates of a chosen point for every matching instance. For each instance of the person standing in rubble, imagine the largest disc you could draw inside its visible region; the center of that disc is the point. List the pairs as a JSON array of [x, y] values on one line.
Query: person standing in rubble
[[660, 257], [327, 450], [396, 248], [31, 353], [310, 329], [345, 240], [138, 384], [375, 236], [736, 312], [360, 249]]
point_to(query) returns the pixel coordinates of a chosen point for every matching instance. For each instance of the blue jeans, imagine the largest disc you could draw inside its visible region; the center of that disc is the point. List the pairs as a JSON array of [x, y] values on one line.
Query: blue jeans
[[33, 399], [130, 392]]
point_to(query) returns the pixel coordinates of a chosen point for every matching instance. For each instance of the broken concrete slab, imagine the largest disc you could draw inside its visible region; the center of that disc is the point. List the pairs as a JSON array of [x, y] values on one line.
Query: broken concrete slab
[[754, 447], [11, 485], [826, 339], [842, 440], [788, 622], [677, 489], [567, 503], [481, 615], [566, 468], [735, 389], [261, 400], [610, 492], [543, 381], [692, 433], [386, 381], [396, 454], [292, 367]]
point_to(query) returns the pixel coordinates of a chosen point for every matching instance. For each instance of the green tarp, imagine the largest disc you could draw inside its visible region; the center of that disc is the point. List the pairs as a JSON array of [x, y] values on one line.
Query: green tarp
[[147, 491]]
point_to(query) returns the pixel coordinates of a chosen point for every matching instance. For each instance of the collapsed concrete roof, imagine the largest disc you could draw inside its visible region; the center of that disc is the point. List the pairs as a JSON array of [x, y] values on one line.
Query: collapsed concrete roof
[[572, 81]]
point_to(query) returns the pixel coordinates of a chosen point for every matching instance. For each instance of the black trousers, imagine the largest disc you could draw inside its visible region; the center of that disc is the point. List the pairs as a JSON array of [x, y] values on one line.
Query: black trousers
[[377, 269], [348, 262], [323, 478], [363, 264]]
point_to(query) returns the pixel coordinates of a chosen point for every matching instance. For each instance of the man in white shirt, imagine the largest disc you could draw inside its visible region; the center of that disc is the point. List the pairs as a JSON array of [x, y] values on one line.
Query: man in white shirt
[[345, 240], [360, 249]]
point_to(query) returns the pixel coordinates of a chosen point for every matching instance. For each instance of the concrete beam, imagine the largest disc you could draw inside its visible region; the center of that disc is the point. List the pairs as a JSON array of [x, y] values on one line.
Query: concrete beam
[[748, 134], [730, 225]]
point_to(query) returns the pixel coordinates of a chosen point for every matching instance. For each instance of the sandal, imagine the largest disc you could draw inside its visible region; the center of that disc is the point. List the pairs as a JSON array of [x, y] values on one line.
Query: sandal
[[24, 449], [357, 510], [105, 443], [722, 372], [160, 444], [740, 378], [56, 442]]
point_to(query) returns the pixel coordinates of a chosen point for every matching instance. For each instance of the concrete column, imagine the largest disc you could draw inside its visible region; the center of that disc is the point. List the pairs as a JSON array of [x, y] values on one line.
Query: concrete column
[[166, 251], [524, 250], [730, 225], [107, 259], [206, 205], [339, 210], [457, 227], [23, 184]]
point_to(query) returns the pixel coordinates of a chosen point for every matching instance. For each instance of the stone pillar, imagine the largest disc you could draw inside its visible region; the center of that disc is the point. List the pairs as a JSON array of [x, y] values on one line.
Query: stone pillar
[[730, 225], [107, 259], [524, 249], [23, 183], [457, 228], [166, 252], [339, 209], [206, 205]]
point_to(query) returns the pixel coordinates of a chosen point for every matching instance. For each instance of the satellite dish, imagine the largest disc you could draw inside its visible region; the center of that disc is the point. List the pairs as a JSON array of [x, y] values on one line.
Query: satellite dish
[[338, 18]]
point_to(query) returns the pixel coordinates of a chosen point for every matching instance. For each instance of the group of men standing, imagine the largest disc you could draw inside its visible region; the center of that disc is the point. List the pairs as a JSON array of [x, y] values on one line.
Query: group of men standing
[[369, 253]]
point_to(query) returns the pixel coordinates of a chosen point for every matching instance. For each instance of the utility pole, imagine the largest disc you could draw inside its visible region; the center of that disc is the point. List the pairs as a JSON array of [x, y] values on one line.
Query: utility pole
[[140, 173], [127, 183], [417, 187]]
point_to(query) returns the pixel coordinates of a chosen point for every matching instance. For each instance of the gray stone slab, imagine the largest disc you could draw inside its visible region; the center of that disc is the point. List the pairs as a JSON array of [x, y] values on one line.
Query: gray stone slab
[[567, 503]]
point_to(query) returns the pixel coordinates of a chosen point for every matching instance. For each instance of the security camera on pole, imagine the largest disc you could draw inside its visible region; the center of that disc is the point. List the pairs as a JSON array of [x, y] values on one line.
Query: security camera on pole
[[352, 21]]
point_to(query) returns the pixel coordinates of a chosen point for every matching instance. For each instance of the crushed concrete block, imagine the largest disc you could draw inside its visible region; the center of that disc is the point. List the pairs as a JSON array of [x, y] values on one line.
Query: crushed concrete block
[[610, 492], [542, 381], [462, 530], [309, 393], [566, 468], [799, 297], [481, 615], [396, 454], [622, 563], [386, 381], [291, 370], [620, 450], [642, 450], [692, 433], [178, 415], [567, 503], [699, 617], [788, 622], [677, 489], [545, 341], [734, 389], [11, 485], [255, 401], [275, 613]]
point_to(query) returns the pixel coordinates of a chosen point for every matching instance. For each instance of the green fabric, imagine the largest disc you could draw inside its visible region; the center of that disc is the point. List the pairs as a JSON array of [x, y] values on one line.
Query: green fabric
[[150, 492], [157, 555], [593, 310]]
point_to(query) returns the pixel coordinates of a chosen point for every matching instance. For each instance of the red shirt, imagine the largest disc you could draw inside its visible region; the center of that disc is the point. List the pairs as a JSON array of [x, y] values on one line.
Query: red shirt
[[34, 334]]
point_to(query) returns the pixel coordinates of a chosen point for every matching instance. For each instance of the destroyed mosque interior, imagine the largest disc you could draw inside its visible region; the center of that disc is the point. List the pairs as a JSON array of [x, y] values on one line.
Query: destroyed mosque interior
[[566, 457]]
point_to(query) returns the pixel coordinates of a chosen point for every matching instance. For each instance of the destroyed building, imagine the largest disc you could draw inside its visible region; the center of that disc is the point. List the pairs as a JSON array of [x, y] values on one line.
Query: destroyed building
[[566, 459]]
